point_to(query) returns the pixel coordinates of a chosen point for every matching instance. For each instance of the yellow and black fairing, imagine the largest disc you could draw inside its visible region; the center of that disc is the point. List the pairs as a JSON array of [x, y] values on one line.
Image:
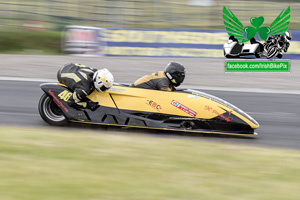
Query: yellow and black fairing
[[182, 110]]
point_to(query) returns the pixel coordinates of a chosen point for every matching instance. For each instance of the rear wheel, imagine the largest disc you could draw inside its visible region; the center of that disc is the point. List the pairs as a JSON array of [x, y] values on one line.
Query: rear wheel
[[272, 51], [50, 112]]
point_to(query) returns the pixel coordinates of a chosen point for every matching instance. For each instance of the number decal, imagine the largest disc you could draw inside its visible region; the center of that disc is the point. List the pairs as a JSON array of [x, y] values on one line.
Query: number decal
[[65, 95]]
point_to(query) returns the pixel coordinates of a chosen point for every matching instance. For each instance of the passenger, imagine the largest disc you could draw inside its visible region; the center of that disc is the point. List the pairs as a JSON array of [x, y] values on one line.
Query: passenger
[[82, 80], [167, 80]]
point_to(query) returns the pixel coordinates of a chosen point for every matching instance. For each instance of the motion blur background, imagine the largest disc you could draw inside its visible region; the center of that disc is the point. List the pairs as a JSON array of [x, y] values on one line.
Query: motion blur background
[[39, 23], [194, 14], [48, 163]]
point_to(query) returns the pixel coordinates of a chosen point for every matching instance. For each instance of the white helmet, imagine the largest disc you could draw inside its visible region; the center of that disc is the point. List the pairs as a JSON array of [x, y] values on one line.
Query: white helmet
[[103, 80], [288, 35]]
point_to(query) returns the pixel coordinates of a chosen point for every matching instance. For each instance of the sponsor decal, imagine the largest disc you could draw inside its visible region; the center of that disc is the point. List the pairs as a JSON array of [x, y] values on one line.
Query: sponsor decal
[[58, 103], [184, 108], [193, 96], [208, 108], [65, 95], [116, 90], [153, 105], [227, 119]]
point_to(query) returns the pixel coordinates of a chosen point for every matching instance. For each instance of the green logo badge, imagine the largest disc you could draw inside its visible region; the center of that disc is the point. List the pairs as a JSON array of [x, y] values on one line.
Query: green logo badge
[[243, 34]]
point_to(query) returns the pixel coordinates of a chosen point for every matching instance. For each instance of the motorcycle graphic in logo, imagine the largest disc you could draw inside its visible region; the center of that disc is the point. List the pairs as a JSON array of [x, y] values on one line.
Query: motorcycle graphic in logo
[[276, 37]]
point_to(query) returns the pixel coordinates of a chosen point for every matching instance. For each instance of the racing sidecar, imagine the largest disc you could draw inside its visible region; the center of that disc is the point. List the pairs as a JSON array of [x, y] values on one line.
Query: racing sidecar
[[233, 49], [182, 110]]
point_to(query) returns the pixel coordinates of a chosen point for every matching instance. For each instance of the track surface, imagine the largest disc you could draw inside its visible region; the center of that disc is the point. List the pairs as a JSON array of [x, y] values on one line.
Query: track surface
[[278, 115]]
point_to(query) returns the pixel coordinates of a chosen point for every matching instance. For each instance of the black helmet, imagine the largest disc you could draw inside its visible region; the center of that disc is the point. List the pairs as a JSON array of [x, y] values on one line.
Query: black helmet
[[175, 72]]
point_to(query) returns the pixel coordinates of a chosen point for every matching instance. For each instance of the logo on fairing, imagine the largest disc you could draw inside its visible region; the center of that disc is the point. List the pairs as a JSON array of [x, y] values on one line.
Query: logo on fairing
[[58, 103], [193, 96], [184, 108], [153, 105], [112, 89], [229, 118]]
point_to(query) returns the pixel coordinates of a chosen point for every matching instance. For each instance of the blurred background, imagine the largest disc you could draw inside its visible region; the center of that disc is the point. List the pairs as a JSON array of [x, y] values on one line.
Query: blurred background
[[194, 14], [40, 22]]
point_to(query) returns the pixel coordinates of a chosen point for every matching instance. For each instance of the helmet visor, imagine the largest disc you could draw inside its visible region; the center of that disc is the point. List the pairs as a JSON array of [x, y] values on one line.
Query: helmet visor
[[102, 88], [179, 77]]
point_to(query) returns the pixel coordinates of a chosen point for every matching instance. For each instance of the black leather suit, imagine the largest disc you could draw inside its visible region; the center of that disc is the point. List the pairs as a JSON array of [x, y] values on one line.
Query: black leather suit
[[79, 78]]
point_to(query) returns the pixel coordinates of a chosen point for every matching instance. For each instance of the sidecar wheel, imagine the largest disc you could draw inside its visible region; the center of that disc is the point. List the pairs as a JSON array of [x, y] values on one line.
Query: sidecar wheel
[[50, 112]]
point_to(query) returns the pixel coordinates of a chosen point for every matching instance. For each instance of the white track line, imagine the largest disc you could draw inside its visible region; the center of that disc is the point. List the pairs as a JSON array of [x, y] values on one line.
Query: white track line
[[14, 113], [7, 78], [229, 89]]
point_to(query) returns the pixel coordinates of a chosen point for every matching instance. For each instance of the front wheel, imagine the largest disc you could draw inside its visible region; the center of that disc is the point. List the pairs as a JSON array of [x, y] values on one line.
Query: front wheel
[[50, 112]]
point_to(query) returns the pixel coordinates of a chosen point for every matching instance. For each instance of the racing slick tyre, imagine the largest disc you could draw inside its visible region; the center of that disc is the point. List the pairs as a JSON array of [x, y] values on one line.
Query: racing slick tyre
[[50, 112], [279, 56], [272, 51]]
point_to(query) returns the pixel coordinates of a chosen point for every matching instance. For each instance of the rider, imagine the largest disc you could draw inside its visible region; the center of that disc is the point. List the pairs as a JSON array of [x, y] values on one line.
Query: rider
[[278, 42], [166, 80], [82, 80], [233, 39]]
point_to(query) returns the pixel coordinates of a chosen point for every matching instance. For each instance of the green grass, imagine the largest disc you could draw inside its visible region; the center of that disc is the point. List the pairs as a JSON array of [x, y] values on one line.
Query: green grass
[[16, 41], [54, 164]]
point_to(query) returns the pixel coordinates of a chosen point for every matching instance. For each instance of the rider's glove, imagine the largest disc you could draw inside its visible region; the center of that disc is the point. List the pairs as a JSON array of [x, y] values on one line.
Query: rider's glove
[[286, 47], [92, 105], [74, 105]]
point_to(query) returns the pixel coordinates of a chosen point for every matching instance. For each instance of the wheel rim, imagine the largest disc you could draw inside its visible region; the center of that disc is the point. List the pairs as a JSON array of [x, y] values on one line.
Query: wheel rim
[[52, 111]]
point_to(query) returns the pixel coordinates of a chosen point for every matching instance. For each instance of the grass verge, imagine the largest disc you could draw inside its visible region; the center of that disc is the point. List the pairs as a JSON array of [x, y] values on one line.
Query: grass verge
[[54, 164], [30, 42]]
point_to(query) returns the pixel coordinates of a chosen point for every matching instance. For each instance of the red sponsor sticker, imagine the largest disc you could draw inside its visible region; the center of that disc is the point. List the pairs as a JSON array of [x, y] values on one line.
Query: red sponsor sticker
[[227, 119], [58, 103], [184, 108], [154, 105]]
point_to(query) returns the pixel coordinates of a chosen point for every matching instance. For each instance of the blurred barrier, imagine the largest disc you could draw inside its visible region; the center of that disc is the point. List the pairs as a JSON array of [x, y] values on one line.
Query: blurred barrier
[[83, 40], [188, 14], [164, 42], [153, 42]]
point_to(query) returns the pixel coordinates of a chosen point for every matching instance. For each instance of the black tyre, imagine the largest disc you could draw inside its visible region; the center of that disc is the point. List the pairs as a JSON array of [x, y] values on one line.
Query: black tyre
[[50, 112], [272, 51], [279, 56]]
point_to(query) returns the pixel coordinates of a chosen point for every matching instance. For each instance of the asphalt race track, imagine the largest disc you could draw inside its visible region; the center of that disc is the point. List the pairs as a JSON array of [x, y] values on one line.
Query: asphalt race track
[[278, 115]]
